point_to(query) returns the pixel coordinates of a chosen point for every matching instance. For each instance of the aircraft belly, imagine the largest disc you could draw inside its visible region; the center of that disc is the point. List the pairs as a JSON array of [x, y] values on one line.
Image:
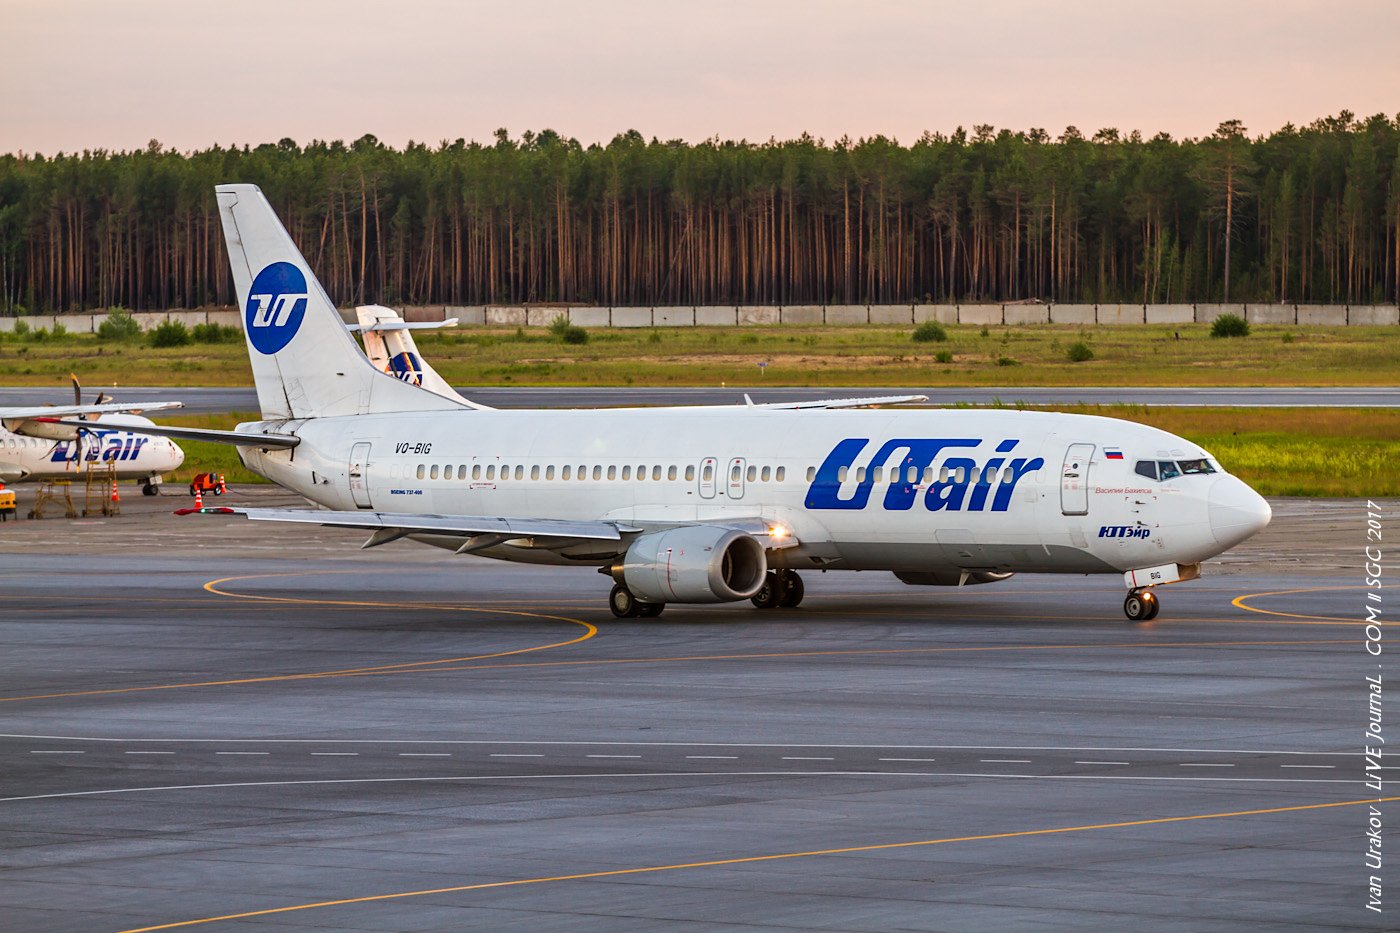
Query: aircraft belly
[[933, 555], [583, 554]]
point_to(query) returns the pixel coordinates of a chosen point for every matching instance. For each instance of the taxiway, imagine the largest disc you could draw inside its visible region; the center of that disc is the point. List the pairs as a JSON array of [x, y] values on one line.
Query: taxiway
[[273, 726]]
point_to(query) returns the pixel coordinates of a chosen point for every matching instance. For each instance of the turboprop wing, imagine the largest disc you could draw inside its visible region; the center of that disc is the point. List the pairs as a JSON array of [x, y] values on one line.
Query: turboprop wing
[[47, 421]]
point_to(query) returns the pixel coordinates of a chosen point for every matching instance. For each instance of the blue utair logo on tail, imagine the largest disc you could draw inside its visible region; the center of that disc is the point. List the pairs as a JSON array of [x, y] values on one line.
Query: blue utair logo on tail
[[276, 306], [406, 366]]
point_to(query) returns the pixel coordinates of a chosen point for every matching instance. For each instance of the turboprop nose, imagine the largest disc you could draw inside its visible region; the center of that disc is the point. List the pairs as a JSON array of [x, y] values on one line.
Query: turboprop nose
[[1236, 511]]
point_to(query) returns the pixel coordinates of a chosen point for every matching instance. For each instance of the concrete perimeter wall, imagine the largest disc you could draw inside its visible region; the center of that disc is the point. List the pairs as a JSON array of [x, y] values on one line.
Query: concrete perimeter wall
[[981, 315]]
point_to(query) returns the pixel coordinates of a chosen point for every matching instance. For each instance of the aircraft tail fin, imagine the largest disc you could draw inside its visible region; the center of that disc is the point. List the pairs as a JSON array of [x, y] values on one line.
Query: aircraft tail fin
[[390, 346], [305, 363]]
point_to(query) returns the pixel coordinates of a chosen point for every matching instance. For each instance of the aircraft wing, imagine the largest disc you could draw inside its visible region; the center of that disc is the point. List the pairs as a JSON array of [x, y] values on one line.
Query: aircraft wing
[[236, 438], [840, 402], [73, 411], [480, 531]]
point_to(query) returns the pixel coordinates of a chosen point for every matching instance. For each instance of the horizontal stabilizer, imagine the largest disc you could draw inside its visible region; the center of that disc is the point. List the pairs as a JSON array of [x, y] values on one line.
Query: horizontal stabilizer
[[403, 325], [236, 438]]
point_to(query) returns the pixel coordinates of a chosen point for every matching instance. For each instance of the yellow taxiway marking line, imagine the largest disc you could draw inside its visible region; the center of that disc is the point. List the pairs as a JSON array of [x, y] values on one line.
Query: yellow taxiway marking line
[[971, 649], [1239, 603], [750, 859], [590, 630], [409, 667]]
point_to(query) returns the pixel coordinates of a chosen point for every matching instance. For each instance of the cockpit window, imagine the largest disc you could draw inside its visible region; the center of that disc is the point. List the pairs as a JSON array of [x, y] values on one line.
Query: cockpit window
[[1167, 469], [1196, 466], [1146, 468]]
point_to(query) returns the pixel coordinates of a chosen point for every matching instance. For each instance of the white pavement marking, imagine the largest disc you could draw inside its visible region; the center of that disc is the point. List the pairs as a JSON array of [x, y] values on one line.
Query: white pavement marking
[[1328, 767], [506, 755], [148, 753], [907, 759], [243, 753], [801, 758], [1205, 764], [335, 754], [1005, 761], [1103, 762], [36, 751], [614, 756], [425, 754], [678, 774], [714, 757], [527, 742]]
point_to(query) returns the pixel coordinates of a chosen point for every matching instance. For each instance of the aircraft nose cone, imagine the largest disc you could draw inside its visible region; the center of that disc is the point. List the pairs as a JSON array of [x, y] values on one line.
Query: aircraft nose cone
[[1236, 511]]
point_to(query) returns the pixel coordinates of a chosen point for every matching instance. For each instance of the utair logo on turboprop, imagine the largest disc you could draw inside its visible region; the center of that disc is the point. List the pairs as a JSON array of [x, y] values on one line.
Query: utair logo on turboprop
[[276, 305], [966, 486], [104, 446], [407, 367]]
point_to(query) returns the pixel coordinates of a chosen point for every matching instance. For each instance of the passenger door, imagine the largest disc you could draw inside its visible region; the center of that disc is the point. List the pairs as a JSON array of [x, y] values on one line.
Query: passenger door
[[1074, 479], [359, 476]]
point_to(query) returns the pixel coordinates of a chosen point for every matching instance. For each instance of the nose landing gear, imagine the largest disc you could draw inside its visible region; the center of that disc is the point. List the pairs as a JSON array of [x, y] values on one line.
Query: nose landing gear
[[1141, 606]]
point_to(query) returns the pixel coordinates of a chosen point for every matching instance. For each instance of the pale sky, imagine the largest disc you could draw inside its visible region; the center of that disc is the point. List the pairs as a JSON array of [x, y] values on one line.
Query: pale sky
[[83, 74]]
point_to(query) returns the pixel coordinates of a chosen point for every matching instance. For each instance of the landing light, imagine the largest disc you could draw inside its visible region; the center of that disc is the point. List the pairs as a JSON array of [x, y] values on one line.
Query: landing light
[[778, 531]]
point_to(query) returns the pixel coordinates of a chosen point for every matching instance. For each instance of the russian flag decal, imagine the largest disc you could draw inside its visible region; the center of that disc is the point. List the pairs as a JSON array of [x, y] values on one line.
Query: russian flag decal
[[1113, 453]]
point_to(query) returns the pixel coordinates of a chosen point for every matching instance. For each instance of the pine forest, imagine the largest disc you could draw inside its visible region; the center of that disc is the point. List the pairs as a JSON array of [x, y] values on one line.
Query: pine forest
[[1302, 214]]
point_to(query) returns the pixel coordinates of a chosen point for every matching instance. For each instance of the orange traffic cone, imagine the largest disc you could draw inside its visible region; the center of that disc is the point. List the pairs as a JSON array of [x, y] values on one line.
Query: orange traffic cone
[[198, 498], [115, 497]]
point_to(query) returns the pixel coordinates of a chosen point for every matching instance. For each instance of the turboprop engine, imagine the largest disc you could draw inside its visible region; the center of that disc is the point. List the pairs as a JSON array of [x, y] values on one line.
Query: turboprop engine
[[951, 577], [47, 429], [693, 564]]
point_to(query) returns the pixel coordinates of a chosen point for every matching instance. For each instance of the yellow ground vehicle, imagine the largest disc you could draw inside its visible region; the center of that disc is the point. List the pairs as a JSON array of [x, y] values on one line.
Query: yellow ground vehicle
[[7, 504]]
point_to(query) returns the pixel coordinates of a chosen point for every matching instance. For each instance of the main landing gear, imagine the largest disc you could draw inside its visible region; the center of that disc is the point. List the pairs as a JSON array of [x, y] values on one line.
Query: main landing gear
[[1141, 606], [626, 606], [781, 589]]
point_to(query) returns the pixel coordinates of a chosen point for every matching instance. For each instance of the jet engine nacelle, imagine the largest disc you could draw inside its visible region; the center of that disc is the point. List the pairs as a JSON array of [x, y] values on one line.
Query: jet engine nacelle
[[694, 564], [951, 577]]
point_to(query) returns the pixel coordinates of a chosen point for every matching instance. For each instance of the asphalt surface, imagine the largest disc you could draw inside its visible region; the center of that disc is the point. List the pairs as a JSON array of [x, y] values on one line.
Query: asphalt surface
[[203, 719], [208, 399]]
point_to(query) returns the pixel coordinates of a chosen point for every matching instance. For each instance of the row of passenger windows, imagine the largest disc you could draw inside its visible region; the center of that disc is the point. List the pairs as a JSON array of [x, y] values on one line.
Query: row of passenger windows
[[498, 473], [491, 472], [1171, 469], [15, 443]]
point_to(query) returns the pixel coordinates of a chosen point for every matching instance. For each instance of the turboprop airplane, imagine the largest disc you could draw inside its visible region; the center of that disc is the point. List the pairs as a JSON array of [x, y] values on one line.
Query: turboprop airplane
[[706, 504], [389, 344], [39, 444]]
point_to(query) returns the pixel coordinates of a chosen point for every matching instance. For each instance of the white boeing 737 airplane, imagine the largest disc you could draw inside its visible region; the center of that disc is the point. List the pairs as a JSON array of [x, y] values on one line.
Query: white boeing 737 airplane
[[706, 504]]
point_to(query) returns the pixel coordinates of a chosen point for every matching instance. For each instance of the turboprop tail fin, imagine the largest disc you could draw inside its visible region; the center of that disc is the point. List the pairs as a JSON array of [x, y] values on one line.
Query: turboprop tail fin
[[305, 363]]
